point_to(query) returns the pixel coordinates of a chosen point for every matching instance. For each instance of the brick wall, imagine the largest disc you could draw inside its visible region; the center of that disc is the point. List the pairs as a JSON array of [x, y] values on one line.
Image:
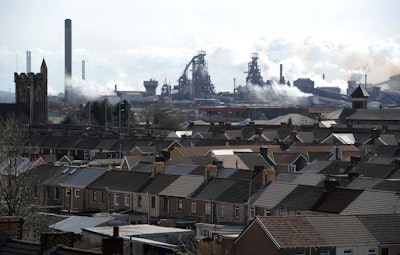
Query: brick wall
[[11, 227], [49, 240]]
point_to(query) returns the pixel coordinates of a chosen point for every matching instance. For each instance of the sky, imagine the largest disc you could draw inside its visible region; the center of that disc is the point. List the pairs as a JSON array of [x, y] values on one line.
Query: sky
[[125, 42]]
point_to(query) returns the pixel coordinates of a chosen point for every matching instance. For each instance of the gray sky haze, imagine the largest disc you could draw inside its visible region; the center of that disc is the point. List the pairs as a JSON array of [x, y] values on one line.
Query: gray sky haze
[[125, 42]]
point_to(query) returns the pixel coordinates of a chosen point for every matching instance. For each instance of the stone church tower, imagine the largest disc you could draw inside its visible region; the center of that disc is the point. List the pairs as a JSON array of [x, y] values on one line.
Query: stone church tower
[[31, 96]]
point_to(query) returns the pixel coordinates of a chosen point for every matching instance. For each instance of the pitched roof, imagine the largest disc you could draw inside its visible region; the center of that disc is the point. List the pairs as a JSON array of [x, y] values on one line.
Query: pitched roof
[[158, 183], [292, 232], [373, 170], [120, 180], [239, 191], [338, 199], [184, 186], [301, 198], [213, 189], [179, 169], [373, 202], [82, 177], [359, 92], [273, 194], [384, 227], [343, 231], [316, 231], [388, 114]]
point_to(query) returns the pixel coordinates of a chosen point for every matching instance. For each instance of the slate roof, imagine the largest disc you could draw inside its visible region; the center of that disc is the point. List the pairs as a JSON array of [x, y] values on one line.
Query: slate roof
[[359, 92], [88, 143], [82, 177], [338, 199], [388, 185], [70, 142], [342, 231], [310, 179], [184, 186], [362, 183], [239, 192], [120, 180], [388, 114], [384, 227], [373, 202], [213, 189], [301, 198], [158, 183], [179, 169], [191, 160], [273, 194], [125, 144], [329, 167], [373, 170], [53, 142]]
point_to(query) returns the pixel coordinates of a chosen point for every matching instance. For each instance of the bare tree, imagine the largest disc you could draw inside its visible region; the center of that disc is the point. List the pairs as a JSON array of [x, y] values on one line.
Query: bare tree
[[19, 193]]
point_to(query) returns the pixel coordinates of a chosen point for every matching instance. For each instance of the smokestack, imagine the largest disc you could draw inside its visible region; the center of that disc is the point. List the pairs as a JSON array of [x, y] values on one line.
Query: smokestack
[[323, 76], [365, 82], [280, 73], [68, 56], [28, 61], [83, 70]]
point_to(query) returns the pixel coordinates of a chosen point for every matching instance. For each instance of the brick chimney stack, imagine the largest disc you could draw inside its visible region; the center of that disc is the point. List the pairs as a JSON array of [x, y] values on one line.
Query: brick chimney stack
[[210, 171], [113, 245]]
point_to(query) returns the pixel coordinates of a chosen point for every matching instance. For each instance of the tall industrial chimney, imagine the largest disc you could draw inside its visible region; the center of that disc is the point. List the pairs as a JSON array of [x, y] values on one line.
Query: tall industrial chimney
[[83, 70], [68, 57], [28, 61]]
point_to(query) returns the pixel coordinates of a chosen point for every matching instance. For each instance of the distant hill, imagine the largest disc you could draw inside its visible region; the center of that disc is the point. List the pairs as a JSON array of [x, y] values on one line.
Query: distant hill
[[7, 97]]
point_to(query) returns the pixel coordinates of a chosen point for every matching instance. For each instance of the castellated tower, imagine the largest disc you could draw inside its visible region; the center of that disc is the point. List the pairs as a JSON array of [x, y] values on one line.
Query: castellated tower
[[31, 96]]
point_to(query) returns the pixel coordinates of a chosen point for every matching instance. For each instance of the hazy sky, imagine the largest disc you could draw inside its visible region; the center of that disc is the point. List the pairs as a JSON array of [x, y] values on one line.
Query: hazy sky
[[124, 42]]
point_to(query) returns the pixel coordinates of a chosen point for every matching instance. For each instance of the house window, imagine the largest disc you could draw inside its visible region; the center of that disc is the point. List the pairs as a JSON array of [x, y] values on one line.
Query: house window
[[57, 193], [139, 201], [299, 253], [127, 199], [292, 168], [207, 208], [267, 212], [180, 205], [348, 252], [94, 197], [237, 211], [193, 207], [68, 192], [371, 252], [103, 197], [282, 212], [221, 211], [252, 212], [116, 199], [77, 192], [385, 251], [48, 192], [153, 202]]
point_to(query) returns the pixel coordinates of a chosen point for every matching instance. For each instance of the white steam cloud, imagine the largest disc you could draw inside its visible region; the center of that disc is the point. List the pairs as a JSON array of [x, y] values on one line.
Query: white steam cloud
[[309, 58]]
